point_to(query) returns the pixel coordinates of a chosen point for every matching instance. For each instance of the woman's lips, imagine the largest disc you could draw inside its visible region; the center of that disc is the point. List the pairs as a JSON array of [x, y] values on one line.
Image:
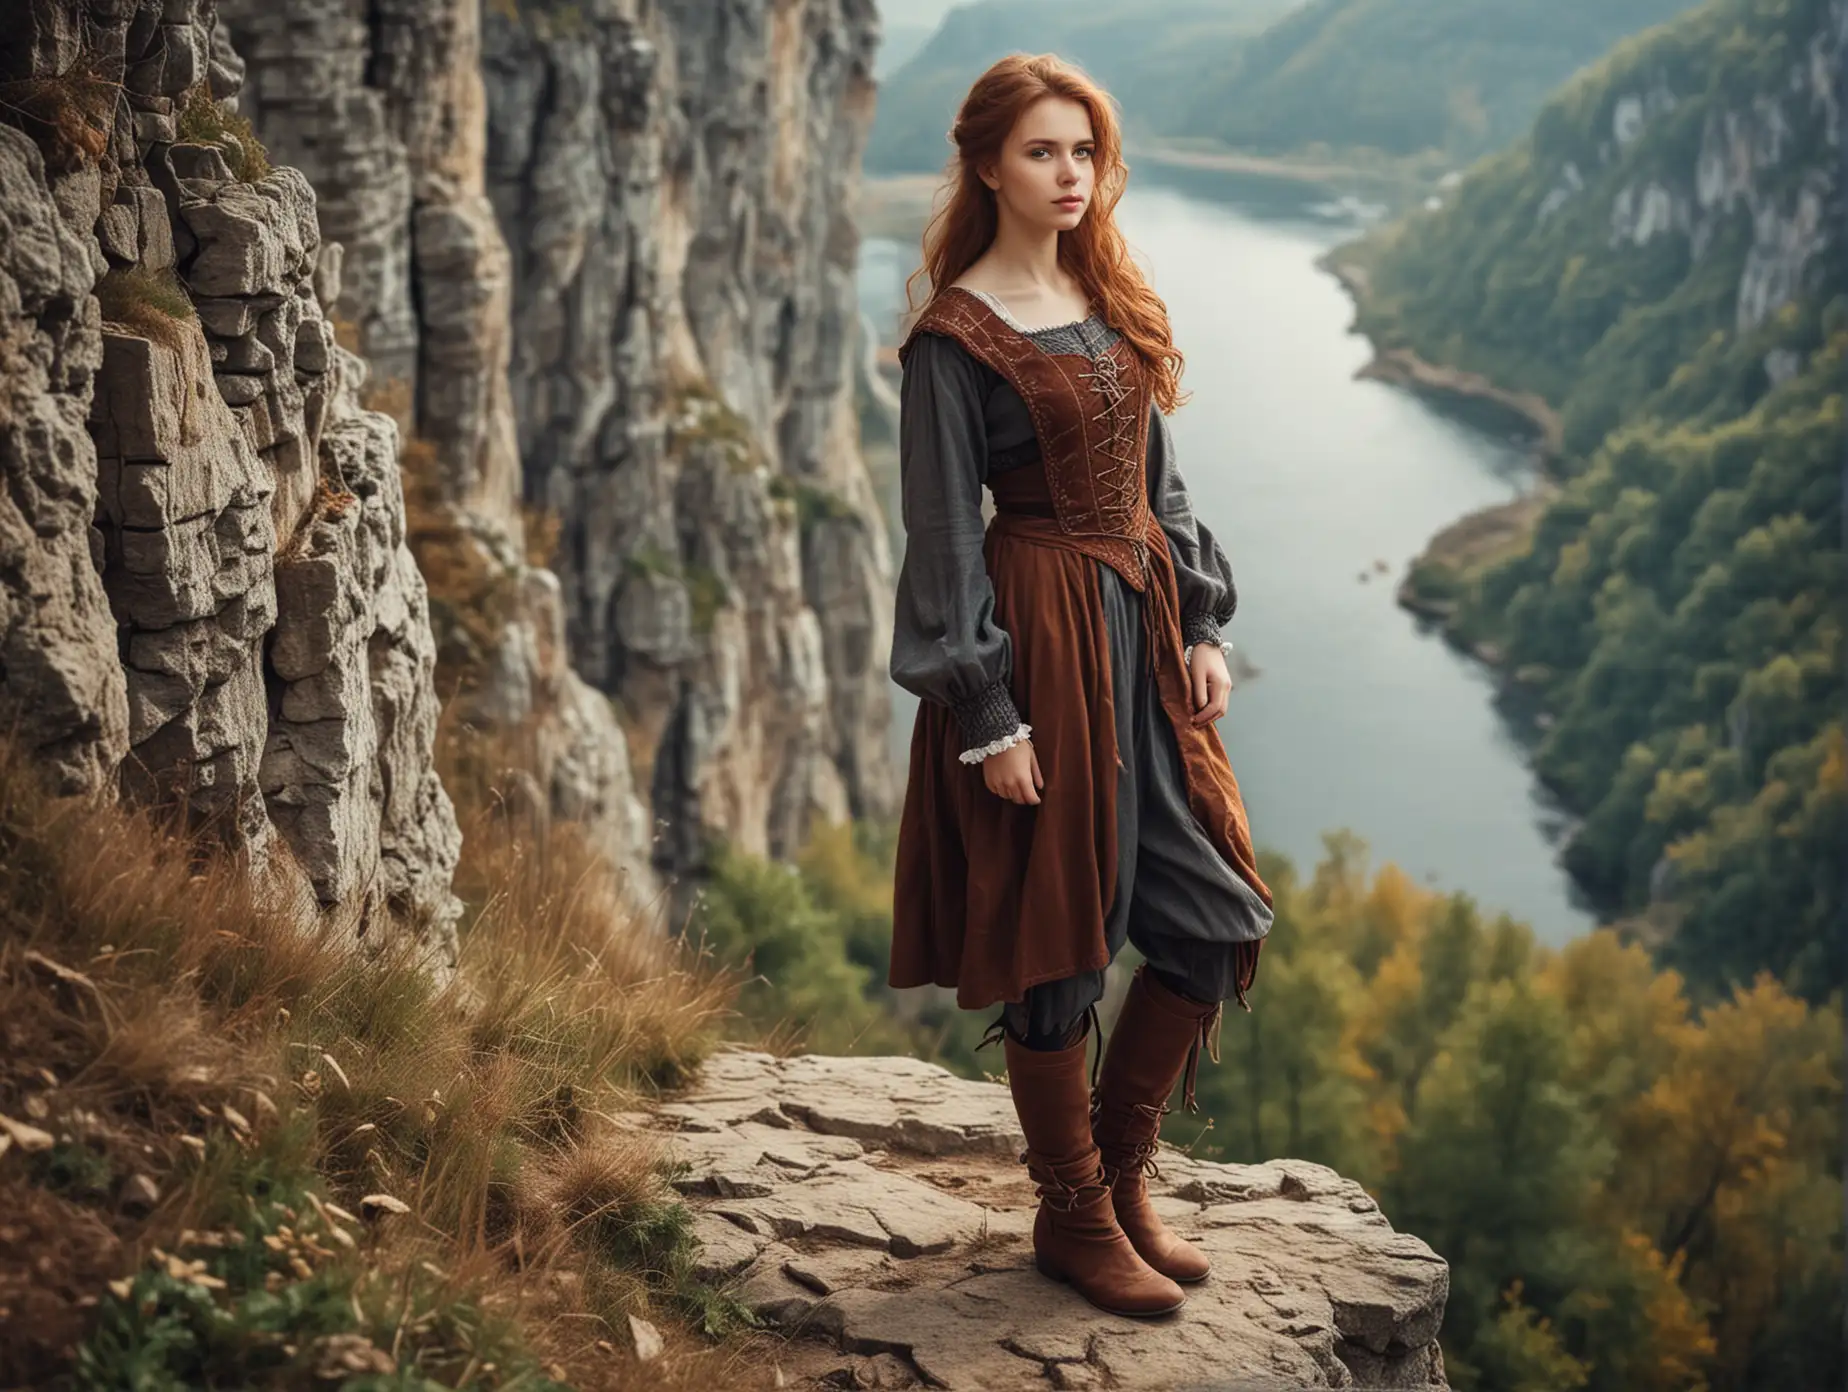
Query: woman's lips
[[1069, 202]]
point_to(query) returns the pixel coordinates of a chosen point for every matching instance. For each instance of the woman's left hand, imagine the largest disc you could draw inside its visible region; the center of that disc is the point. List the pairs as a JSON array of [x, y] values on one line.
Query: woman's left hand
[[1212, 682]]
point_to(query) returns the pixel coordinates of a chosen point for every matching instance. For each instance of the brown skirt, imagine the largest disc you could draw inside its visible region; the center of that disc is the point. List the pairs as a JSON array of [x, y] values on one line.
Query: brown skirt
[[991, 896]]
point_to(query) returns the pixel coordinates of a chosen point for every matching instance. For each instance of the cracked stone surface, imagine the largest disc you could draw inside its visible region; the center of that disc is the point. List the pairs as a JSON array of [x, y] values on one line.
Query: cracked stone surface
[[875, 1208], [207, 596]]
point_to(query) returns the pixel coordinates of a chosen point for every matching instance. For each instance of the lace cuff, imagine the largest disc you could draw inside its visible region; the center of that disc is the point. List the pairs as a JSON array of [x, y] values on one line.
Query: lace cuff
[[976, 755], [987, 717], [1200, 628]]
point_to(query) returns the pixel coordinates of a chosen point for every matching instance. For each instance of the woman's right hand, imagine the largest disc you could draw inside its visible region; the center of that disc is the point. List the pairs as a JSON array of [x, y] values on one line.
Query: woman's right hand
[[1014, 774]]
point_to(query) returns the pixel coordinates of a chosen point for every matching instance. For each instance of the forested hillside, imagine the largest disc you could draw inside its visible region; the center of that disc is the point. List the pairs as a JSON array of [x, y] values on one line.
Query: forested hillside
[[1661, 259], [1406, 76], [1443, 79], [1155, 60]]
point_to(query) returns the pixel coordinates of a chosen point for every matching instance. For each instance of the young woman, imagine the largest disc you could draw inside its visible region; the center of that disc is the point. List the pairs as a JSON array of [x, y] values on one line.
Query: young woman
[[1068, 787]]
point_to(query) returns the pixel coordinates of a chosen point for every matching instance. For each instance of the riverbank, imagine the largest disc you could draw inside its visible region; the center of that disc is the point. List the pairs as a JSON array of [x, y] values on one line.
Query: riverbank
[[1396, 180], [1404, 367], [1438, 577], [1441, 574]]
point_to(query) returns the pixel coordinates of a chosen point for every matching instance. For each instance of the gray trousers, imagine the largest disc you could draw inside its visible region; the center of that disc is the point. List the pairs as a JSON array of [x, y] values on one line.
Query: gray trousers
[[1177, 899]]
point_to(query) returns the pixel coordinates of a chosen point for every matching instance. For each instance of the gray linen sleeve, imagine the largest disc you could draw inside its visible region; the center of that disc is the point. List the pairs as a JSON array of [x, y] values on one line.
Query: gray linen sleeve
[[946, 646], [1202, 573]]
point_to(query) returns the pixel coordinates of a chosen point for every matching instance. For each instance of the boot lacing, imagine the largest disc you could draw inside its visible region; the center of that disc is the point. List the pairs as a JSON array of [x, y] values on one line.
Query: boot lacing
[[1063, 1195], [1140, 1156]]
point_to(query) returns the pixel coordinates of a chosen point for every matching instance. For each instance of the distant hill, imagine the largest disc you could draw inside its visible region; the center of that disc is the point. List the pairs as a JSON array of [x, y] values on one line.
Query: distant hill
[[905, 26], [898, 44], [1662, 259], [1150, 55], [1396, 77], [1405, 76]]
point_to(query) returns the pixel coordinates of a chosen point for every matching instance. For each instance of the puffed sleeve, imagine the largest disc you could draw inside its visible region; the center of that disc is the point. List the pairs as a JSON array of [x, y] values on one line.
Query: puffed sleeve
[[946, 646], [1202, 573]]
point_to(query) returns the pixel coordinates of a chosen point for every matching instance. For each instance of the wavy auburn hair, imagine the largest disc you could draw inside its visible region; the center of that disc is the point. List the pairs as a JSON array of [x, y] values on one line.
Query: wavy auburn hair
[[1094, 251]]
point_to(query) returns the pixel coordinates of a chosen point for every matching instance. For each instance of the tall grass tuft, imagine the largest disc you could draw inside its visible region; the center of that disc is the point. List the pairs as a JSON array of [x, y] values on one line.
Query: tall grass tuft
[[258, 1155]]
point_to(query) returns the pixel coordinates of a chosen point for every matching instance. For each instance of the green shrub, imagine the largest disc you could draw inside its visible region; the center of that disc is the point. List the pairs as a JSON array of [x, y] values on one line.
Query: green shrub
[[204, 121]]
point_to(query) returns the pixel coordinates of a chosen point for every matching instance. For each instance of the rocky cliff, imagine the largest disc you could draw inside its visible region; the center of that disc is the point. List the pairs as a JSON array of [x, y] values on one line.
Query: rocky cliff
[[580, 275], [604, 254], [681, 182], [206, 595], [876, 1209]]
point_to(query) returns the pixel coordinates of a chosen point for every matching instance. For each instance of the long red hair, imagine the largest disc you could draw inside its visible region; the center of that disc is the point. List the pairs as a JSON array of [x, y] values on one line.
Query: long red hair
[[1094, 252]]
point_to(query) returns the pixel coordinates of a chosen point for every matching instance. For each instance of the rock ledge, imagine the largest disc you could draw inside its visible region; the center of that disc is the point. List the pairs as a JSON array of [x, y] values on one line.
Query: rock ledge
[[877, 1209]]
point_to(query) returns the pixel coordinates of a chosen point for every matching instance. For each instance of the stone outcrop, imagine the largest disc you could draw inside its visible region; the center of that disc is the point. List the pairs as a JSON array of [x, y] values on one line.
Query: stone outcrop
[[186, 440], [595, 264], [875, 1208], [1757, 152]]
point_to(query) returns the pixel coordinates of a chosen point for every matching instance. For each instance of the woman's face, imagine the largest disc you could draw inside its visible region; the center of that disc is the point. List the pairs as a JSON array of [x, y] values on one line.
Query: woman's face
[[1045, 165]]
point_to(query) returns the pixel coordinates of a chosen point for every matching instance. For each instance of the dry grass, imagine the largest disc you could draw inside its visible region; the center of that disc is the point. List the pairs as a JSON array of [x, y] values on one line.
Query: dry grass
[[150, 303], [211, 1062], [203, 121], [69, 115]]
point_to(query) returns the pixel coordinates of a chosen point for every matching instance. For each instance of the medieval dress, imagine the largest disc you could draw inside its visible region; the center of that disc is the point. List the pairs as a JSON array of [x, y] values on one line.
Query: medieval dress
[[1069, 617]]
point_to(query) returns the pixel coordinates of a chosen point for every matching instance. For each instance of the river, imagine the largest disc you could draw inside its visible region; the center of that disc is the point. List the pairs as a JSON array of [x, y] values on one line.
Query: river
[[1360, 716]]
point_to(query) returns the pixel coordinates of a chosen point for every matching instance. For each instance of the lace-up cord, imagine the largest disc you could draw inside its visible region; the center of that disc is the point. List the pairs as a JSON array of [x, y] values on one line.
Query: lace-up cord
[[1141, 1155], [1208, 1037], [1064, 1195]]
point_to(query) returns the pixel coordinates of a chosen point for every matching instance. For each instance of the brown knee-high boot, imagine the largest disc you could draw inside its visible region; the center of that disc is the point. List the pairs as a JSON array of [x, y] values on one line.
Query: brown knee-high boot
[[1076, 1237], [1155, 1035]]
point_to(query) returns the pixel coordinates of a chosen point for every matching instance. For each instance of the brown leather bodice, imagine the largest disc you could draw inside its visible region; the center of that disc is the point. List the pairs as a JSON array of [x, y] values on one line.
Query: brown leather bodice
[[989, 896], [1091, 417]]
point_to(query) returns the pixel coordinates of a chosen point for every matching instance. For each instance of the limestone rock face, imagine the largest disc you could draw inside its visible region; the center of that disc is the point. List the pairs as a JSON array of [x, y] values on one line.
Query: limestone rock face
[[182, 437], [597, 263], [876, 1207], [1767, 147], [677, 183], [601, 255], [62, 690], [346, 769], [386, 115]]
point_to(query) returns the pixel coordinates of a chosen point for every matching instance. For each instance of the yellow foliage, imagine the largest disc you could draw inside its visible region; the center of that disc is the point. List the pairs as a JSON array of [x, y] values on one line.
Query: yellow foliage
[[1833, 778], [1677, 1342], [1390, 914], [1574, 561], [1678, 795], [1721, 1197]]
